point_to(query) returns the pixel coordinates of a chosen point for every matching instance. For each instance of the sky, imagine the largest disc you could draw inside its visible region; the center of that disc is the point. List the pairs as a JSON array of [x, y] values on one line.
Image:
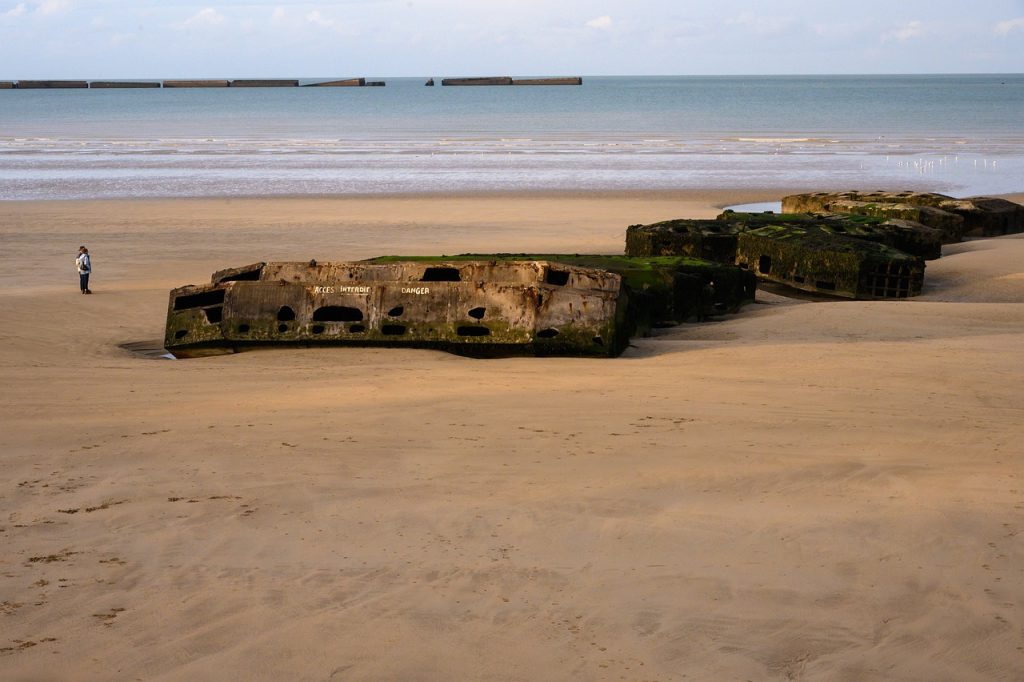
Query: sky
[[380, 38]]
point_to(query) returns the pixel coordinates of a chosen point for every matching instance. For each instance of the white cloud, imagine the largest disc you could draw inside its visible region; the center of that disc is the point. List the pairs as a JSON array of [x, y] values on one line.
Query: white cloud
[[204, 17], [914, 29], [16, 11], [1005, 28], [279, 15], [47, 7], [604, 23], [315, 17], [761, 25], [119, 39]]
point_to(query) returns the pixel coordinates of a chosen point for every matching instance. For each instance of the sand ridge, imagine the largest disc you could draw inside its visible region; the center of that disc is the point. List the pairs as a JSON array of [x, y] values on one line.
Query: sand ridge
[[801, 491]]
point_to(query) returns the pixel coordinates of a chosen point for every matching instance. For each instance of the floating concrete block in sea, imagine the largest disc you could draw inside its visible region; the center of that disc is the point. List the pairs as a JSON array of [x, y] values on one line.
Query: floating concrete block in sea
[[6, 85], [562, 80], [485, 80], [342, 83], [264, 83], [204, 83], [123, 84], [507, 80], [475, 304], [52, 85]]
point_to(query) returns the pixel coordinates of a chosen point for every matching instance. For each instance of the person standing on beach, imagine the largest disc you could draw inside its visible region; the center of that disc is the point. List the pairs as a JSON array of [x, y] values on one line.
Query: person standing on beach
[[84, 264]]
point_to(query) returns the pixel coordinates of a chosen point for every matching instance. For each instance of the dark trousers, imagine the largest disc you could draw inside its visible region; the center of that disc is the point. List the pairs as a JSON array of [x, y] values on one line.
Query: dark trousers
[[83, 279]]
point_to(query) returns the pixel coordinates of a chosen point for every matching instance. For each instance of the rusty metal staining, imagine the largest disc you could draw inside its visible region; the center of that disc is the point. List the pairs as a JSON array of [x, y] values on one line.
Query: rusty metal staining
[[811, 258], [971, 217], [474, 305]]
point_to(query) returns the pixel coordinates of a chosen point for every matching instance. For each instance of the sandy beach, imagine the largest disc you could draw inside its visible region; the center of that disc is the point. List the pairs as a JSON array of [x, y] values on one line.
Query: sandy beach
[[805, 490]]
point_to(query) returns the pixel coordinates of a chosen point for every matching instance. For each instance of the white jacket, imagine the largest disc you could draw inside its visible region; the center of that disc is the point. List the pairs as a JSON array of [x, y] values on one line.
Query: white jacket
[[84, 264]]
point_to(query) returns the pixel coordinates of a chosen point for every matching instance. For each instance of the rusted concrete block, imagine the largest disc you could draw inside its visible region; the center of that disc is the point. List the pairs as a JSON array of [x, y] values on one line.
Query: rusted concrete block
[[812, 258], [570, 80], [475, 305], [488, 80], [197, 84], [6, 85], [52, 85], [343, 83], [264, 83], [99, 85]]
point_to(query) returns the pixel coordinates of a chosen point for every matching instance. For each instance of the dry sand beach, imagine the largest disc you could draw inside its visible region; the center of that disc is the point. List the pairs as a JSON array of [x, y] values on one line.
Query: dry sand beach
[[801, 491]]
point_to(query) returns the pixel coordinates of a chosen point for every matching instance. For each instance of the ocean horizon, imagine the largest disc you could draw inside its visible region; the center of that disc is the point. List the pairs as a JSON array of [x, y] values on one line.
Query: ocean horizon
[[959, 134]]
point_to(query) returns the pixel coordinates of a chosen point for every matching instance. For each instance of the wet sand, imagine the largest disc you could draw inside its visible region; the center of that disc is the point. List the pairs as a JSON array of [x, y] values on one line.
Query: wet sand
[[801, 491]]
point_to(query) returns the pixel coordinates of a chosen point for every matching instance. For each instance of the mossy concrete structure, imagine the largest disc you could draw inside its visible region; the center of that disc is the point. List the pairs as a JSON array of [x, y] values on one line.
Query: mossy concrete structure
[[473, 305], [979, 216], [811, 258], [712, 240], [849, 256], [905, 235], [716, 240]]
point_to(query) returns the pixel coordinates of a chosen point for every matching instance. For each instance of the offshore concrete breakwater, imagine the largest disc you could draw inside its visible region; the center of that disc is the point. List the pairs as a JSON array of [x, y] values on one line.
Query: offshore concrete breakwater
[[265, 83], [183, 83], [508, 80]]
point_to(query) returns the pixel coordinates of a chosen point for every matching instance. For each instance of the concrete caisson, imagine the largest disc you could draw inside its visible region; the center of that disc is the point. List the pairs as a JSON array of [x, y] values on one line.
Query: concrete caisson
[[811, 258], [472, 305]]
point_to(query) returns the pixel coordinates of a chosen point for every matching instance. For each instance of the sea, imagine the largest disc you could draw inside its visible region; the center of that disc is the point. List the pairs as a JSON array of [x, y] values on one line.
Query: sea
[[958, 134]]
